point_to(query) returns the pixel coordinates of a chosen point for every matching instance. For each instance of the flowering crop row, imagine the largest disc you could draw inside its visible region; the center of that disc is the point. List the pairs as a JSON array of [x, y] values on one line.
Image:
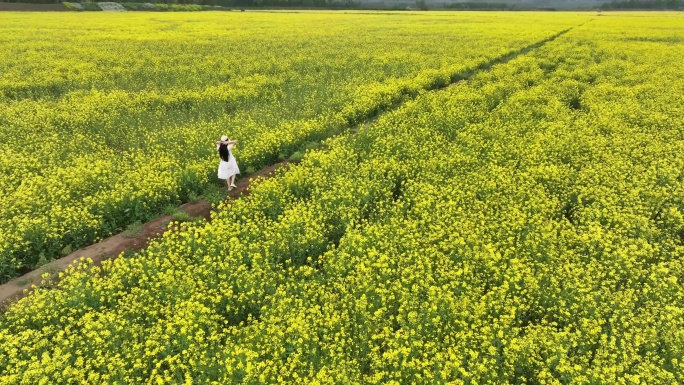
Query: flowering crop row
[[107, 119], [524, 226]]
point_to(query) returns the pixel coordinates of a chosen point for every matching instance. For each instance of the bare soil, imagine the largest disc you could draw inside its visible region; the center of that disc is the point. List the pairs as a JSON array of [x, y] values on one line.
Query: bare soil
[[112, 247]]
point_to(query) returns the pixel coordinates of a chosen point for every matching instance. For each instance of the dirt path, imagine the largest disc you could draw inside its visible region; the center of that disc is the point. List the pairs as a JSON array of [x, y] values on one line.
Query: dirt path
[[113, 246]]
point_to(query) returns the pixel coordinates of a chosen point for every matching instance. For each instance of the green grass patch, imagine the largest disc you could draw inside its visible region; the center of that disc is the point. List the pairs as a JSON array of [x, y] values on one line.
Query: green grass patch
[[24, 282], [215, 193], [134, 229], [296, 157]]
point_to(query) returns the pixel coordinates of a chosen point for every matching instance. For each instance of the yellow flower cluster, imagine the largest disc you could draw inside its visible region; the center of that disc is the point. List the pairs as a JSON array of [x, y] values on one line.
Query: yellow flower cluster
[[107, 119]]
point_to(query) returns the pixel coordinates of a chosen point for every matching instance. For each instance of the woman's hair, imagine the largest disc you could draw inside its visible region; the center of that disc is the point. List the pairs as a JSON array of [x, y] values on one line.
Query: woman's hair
[[224, 153]]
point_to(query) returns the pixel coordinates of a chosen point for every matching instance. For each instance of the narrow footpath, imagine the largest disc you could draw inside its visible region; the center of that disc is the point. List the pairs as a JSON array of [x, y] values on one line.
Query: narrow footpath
[[113, 246]]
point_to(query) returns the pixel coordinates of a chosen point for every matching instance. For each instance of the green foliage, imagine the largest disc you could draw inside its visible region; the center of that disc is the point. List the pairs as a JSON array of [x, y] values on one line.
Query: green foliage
[[171, 7], [133, 230], [215, 193], [90, 6], [312, 146], [66, 250], [170, 210], [139, 6], [645, 4], [72, 6], [181, 216], [179, 7], [42, 260], [481, 6], [296, 157], [24, 282], [194, 197], [177, 215]]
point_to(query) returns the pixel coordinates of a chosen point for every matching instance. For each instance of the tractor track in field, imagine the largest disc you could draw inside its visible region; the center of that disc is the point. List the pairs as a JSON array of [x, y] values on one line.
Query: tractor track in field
[[113, 246]]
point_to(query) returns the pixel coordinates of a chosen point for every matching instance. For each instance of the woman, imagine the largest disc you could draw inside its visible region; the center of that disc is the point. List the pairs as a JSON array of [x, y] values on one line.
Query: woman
[[228, 167]]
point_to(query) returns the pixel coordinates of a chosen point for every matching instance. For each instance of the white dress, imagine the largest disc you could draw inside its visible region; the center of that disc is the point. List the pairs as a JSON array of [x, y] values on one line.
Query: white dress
[[229, 168]]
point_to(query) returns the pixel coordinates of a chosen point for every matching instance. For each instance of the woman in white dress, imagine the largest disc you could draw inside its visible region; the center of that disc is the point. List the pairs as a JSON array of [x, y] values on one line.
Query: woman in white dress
[[228, 167]]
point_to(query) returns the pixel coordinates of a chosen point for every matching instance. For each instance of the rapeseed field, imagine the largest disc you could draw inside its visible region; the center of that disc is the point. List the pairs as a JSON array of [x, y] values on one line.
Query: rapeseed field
[[107, 119], [524, 226]]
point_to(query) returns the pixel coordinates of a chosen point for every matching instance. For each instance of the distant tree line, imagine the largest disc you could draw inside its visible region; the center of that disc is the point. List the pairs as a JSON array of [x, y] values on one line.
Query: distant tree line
[[477, 6], [282, 3], [341, 4], [33, 1], [645, 4]]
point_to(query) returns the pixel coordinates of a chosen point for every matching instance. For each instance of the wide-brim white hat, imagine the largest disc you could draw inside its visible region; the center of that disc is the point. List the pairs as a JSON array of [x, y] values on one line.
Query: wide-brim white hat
[[224, 138]]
